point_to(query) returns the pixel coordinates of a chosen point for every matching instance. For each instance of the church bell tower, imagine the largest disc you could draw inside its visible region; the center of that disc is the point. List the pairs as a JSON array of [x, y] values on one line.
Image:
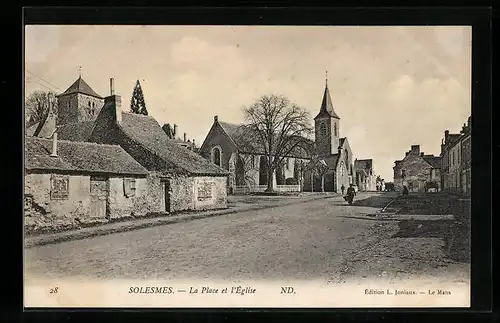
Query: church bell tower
[[326, 125]]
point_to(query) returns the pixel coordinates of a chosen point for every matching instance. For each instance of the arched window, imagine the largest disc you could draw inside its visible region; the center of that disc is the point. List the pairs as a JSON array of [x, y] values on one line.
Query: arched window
[[216, 156], [93, 105], [89, 104]]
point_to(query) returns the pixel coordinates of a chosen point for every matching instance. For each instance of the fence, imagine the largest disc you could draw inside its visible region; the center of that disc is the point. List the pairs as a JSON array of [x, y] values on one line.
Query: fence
[[246, 189]]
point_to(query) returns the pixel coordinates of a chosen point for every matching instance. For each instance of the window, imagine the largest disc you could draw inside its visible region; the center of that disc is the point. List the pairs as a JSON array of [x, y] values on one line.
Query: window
[[252, 164], [216, 156], [129, 188], [59, 187], [287, 164], [204, 191], [335, 129], [322, 129], [89, 104], [403, 173]]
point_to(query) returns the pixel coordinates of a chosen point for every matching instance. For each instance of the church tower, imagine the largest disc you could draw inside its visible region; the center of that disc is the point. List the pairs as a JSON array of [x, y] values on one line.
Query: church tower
[[326, 125], [78, 103]]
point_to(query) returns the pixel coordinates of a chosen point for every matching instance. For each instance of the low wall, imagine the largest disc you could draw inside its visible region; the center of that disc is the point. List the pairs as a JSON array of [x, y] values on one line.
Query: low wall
[[198, 193]]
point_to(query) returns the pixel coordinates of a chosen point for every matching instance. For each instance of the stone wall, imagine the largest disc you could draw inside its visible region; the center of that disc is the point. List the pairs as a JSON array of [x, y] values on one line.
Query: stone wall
[[149, 197], [43, 213], [79, 107], [198, 193]]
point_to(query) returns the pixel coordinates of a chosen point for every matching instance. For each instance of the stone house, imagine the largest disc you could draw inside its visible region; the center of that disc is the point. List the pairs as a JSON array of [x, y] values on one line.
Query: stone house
[[446, 159], [417, 171], [466, 158], [456, 159], [178, 179], [228, 146], [68, 184], [366, 180]]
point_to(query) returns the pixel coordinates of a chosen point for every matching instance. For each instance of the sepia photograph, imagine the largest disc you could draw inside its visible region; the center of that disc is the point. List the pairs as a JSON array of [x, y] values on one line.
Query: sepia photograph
[[247, 166]]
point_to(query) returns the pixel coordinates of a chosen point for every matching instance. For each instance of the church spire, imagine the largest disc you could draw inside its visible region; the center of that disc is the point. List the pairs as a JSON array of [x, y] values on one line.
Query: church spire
[[326, 103]]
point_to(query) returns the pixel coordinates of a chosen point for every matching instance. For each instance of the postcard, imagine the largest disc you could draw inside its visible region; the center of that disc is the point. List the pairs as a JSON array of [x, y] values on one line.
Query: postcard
[[247, 166]]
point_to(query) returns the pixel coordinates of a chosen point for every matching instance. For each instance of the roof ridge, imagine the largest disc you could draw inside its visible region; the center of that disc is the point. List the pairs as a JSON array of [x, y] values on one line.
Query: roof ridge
[[89, 143]]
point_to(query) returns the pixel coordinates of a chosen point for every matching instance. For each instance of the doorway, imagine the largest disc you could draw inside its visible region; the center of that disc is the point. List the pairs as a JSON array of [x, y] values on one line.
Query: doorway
[[167, 192], [99, 191]]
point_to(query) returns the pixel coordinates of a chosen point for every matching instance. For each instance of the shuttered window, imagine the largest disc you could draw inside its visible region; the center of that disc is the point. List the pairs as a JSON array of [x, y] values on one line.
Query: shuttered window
[[129, 188]]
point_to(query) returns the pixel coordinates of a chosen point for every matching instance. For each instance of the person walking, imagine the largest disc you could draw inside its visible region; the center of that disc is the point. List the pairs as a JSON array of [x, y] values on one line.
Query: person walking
[[351, 192], [342, 188]]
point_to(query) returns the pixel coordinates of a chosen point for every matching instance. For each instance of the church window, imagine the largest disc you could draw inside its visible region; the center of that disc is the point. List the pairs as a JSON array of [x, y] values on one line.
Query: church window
[[322, 129], [216, 156], [89, 104], [335, 129]]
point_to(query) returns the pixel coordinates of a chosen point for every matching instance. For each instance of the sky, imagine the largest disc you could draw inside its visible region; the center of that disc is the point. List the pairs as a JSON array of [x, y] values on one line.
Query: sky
[[392, 87]]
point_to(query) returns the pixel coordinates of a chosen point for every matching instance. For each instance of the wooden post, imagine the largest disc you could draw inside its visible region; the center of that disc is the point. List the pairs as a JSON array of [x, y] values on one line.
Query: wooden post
[[323, 183]]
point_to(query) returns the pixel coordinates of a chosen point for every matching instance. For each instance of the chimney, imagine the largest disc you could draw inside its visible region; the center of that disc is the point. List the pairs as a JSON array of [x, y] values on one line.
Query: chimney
[[406, 154], [216, 118], [54, 145], [415, 149], [175, 131], [184, 137], [469, 123], [116, 100], [112, 86], [446, 134], [194, 145]]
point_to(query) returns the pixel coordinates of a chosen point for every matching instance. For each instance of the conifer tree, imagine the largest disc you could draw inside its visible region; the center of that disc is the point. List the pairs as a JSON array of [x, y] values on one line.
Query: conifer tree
[[137, 103]]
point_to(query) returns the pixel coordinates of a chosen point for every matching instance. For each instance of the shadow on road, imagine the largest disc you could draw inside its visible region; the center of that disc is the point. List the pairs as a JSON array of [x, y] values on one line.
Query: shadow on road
[[454, 233], [373, 201], [367, 217]]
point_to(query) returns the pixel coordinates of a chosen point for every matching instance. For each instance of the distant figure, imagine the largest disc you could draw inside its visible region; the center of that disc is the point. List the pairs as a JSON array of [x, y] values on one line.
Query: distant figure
[[405, 190], [351, 192], [342, 188]]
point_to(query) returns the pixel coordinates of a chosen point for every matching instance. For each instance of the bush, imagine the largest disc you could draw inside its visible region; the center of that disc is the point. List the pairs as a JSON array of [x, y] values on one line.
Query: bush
[[291, 181]]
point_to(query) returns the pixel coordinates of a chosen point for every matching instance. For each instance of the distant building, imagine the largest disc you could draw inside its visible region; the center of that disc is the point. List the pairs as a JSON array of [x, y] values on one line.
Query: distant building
[[79, 103], [417, 171], [456, 160], [68, 184], [366, 180], [171, 133]]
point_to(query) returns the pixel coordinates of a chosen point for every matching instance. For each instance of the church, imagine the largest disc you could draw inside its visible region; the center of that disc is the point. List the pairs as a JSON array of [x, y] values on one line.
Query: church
[[334, 150], [221, 146]]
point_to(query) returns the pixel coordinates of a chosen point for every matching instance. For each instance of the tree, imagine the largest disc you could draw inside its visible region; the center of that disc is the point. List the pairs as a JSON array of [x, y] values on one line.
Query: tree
[[317, 167], [278, 127], [137, 103], [37, 108]]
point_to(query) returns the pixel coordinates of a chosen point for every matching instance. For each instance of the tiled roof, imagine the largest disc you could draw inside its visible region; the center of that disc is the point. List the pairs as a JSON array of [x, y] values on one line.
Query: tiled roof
[[146, 131], [434, 161], [80, 86], [327, 106], [79, 157], [331, 161], [47, 130], [247, 140], [80, 131], [365, 164]]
